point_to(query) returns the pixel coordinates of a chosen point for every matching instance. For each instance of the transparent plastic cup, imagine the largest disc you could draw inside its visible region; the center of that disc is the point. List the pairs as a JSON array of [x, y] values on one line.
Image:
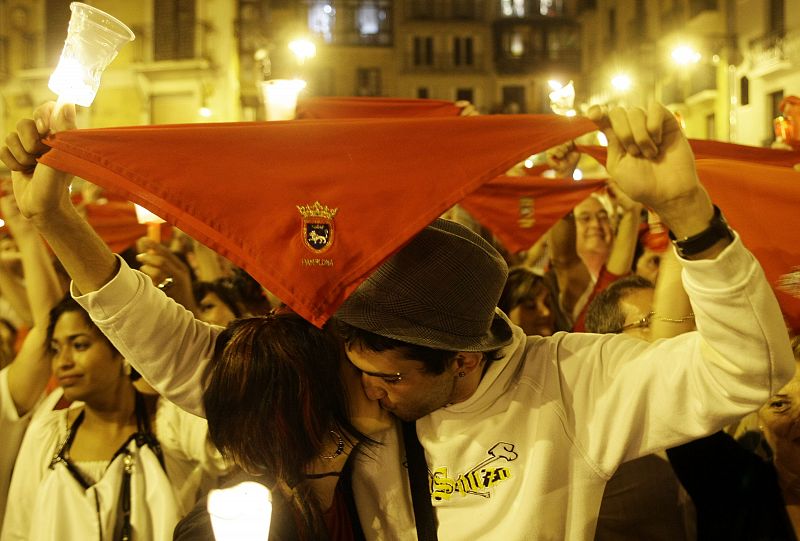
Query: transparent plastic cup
[[280, 97], [240, 513], [93, 39]]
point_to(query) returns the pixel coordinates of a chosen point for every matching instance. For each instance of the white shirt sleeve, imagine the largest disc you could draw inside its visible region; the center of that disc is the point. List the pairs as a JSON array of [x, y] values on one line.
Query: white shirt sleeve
[[159, 337]]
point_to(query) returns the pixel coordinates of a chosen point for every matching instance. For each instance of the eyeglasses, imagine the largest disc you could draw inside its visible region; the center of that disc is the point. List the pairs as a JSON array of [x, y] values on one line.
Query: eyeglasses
[[643, 323]]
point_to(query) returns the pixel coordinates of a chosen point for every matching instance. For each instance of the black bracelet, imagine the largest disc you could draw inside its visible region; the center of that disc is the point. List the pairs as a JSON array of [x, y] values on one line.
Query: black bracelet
[[717, 230], [321, 475]]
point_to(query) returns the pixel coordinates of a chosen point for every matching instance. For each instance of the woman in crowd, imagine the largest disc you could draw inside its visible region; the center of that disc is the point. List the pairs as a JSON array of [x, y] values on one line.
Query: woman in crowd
[[285, 405], [528, 302], [113, 465], [738, 494]]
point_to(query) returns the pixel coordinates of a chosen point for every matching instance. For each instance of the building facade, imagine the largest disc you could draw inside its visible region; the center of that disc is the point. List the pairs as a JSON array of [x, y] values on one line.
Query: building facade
[[202, 60], [723, 65]]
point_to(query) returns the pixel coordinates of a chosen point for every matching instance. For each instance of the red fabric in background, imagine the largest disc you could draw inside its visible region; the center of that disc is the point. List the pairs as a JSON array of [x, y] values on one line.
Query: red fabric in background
[[115, 222], [499, 205], [335, 107], [236, 186], [718, 150], [762, 203]]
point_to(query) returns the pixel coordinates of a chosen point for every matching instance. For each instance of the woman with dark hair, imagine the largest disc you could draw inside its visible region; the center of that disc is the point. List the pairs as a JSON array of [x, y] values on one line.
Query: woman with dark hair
[[114, 465], [283, 404], [218, 302], [528, 302]]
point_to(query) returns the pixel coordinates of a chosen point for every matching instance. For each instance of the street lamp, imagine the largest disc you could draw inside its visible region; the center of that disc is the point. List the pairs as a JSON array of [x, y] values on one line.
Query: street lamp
[[685, 55], [621, 82]]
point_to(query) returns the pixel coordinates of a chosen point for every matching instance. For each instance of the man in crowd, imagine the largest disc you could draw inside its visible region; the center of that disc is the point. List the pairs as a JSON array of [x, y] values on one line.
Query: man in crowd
[[520, 434]]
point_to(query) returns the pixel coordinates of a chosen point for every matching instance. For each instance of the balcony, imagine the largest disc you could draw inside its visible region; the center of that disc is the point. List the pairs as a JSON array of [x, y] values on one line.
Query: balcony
[[538, 61], [536, 45], [774, 53], [163, 58], [445, 10], [443, 63]]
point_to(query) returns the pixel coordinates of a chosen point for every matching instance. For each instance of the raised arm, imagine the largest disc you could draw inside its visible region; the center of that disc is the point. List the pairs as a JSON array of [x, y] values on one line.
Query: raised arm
[[169, 350], [43, 196]]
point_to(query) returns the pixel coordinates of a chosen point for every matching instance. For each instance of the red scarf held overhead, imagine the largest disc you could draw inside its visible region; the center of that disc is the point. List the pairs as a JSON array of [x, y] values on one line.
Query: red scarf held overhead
[[249, 190]]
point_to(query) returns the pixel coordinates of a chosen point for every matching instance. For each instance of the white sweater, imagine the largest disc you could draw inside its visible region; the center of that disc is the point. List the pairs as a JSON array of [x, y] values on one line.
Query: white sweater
[[527, 456]]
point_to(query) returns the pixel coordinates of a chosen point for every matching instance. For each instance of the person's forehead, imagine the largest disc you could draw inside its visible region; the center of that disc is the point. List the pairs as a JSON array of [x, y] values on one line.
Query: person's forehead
[[590, 204], [389, 361]]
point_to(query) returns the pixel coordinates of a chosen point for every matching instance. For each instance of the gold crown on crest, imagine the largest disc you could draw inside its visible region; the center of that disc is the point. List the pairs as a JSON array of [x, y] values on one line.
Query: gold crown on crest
[[317, 210]]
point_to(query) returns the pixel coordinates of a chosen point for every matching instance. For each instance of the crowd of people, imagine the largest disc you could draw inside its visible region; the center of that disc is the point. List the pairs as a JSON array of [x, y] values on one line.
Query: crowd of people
[[579, 391]]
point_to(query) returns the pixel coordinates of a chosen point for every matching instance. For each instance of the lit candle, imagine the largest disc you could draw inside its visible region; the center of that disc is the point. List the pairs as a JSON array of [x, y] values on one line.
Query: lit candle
[[93, 40], [240, 513]]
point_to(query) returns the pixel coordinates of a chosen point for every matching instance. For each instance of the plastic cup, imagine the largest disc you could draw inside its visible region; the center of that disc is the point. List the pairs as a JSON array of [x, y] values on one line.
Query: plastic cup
[[280, 97], [240, 513], [93, 40]]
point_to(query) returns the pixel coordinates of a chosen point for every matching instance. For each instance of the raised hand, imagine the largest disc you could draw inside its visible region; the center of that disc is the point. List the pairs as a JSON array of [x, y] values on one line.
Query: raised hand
[[650, 159], [37, 188]]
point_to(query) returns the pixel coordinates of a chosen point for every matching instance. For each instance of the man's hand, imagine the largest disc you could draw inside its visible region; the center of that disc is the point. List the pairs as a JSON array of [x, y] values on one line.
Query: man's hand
[[38, 189], [164, 267], [563, 159], [650, 159]]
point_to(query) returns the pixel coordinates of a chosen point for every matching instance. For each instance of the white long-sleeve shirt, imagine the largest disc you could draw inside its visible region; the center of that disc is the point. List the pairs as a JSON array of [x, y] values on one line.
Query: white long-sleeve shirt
[[528, 454]]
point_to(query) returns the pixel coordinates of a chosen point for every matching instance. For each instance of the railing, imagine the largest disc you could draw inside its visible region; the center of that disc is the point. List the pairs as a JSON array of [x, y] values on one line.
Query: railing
[[195, 45], [569, 59], [445, 10], [773, 48], [445, 63]]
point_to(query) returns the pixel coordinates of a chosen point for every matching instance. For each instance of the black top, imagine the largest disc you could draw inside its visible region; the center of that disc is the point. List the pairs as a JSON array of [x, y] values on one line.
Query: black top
[[735, 492]]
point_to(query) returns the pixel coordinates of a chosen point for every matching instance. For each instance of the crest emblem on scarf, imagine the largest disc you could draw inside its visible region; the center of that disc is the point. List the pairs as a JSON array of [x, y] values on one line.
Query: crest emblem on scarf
[[317, 227]]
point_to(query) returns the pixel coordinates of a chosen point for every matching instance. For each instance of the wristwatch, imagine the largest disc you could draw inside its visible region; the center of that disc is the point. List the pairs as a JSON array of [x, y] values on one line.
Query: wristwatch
[[717, 230]]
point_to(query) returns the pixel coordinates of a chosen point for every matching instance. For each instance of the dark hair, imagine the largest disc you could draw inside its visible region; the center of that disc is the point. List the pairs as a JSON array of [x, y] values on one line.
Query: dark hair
[[273, 394], [604, 314], [68, 304], [435, 360], [521, 281], [222, 289]]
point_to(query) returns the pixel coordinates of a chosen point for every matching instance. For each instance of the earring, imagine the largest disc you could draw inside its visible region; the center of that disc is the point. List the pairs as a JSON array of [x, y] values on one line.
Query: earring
[[462, 374]]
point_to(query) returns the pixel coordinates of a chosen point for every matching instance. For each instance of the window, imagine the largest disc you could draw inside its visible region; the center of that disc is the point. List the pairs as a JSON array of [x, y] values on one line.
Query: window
[[58, 14], [612, 28], [465, 94], [775, 99], [463, 51], [711, 126], [776, 17], [464, 9], [321, 17], [512, 8], [423, 93], [514, 99], [369, 19], [744, 91], [355, 22], [368, 82], [173, 36], [423, 51]]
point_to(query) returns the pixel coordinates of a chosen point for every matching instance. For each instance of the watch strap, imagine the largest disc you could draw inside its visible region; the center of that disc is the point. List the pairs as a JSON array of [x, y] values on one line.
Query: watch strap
[[717, 230]]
